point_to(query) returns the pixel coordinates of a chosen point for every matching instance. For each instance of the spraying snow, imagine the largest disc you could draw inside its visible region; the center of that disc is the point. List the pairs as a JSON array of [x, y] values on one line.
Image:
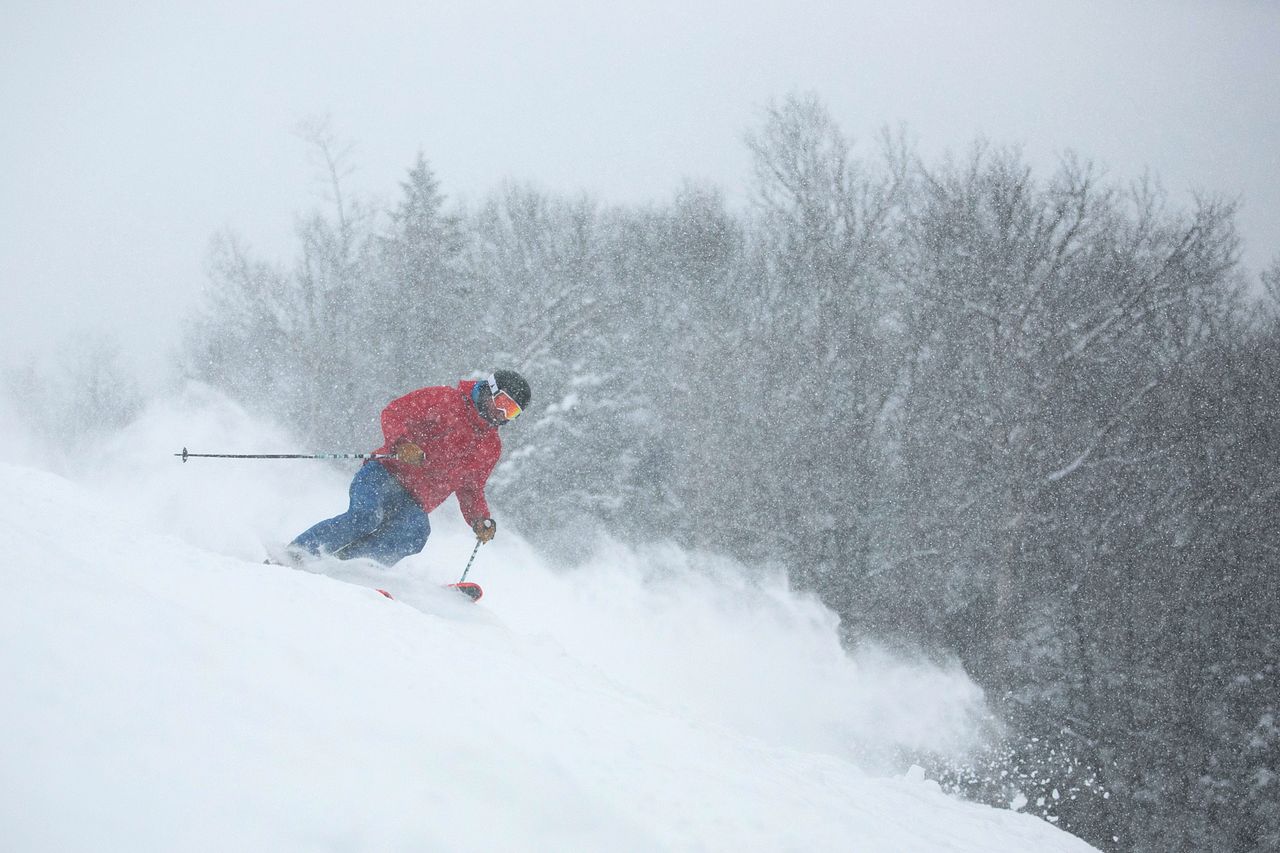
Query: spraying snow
[[165, 690]]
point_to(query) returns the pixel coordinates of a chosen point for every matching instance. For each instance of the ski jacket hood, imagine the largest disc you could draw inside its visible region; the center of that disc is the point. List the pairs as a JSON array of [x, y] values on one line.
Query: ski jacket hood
[[460, 446]]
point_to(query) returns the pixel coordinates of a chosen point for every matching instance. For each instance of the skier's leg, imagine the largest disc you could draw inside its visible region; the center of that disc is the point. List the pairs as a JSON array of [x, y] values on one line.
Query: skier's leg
[[368, 495], [404, 531]]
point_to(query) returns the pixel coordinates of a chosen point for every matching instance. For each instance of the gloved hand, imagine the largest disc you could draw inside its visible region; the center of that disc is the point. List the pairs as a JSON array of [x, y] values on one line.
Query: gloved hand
[[410, 453], [485, 528]]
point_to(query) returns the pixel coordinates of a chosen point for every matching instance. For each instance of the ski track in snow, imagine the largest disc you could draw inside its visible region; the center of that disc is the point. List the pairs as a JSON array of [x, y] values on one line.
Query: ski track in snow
[[164, 690]]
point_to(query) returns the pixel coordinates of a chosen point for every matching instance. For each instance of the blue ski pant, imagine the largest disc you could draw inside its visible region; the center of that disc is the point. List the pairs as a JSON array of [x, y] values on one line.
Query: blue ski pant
[[383, 522]]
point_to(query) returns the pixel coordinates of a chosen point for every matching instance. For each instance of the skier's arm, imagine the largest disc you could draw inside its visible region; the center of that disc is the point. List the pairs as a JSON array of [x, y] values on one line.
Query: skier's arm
[[472, 503], [470, 492], [411, 417]]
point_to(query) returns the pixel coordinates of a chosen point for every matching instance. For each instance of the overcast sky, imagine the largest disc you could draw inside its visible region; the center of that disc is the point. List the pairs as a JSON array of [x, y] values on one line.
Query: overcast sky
[[131, 132]]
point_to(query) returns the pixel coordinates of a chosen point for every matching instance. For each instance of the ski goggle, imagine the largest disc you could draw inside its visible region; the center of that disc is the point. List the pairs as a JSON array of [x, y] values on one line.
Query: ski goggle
[[503, 401]]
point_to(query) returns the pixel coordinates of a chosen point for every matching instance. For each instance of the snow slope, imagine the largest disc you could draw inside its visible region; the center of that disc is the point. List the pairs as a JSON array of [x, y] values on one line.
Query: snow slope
[[164, 690]]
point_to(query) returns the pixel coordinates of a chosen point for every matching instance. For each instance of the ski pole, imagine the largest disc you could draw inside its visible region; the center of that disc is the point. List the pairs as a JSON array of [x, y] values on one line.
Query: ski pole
[[185, 454], [469, 562]]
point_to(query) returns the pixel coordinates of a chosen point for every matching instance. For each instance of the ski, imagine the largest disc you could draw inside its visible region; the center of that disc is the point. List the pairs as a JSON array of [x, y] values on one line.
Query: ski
[[470, 590], [467, 588]]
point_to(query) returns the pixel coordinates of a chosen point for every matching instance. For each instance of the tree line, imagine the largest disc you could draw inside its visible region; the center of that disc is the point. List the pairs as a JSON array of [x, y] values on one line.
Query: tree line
[[1029, 422]]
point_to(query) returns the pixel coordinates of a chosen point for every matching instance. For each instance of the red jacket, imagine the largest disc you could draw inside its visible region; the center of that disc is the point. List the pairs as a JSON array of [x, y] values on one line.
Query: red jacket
[[461, 447]]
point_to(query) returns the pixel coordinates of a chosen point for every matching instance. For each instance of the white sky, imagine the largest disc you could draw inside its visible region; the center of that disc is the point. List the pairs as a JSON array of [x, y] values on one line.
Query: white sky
[[131, 132]]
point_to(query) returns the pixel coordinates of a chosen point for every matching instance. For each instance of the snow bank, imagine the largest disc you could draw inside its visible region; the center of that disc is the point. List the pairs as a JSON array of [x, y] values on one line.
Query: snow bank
[[164, 690]]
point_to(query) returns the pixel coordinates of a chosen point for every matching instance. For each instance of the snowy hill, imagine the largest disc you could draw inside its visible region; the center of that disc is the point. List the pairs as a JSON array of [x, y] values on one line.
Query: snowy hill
[[163, 690]]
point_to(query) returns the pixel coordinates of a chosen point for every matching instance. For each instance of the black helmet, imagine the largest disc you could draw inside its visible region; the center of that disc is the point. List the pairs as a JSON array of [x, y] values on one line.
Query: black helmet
[[515, 385]]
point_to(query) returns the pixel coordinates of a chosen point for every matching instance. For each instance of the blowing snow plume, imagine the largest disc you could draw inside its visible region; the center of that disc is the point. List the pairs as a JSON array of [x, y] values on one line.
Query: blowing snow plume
[[168, 691]]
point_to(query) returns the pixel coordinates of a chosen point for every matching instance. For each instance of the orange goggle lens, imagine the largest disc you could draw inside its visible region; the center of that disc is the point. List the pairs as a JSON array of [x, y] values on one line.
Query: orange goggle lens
[[505, 404]]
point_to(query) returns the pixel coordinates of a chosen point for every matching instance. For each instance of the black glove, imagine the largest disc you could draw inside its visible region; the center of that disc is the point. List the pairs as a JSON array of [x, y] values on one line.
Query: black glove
[[485, 528]]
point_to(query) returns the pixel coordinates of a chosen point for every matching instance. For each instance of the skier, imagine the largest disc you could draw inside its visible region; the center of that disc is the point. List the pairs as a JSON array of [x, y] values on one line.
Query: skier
[[444, 441]]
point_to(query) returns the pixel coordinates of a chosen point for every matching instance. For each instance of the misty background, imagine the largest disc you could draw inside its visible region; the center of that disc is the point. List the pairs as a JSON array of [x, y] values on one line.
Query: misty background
[[965, 317], [154, 125]]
